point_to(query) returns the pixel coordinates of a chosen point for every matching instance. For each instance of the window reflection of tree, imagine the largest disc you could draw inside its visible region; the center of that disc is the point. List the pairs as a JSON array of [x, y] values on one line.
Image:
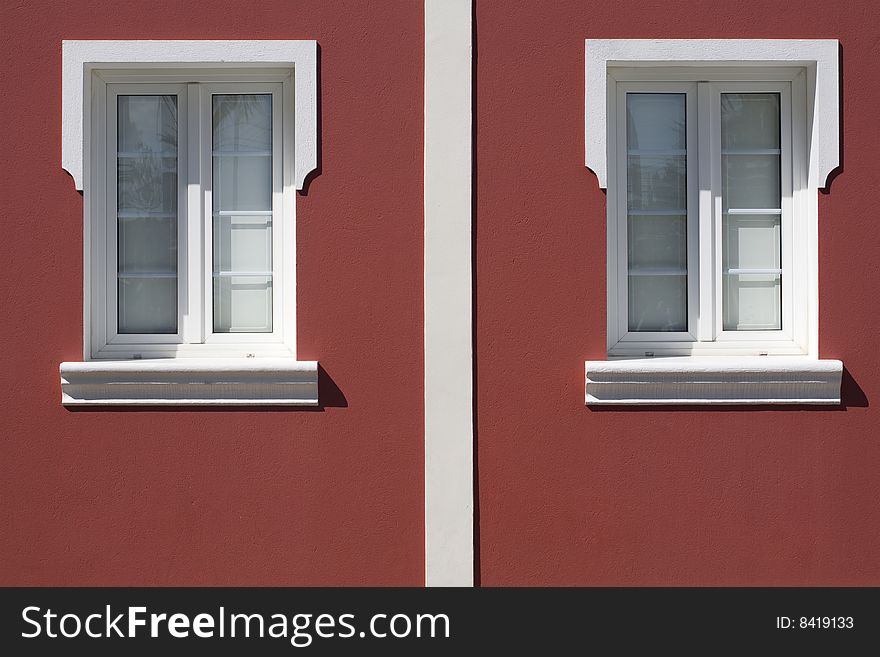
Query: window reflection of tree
[[659, 182], [147, 168], [147, 179], [238, 110]]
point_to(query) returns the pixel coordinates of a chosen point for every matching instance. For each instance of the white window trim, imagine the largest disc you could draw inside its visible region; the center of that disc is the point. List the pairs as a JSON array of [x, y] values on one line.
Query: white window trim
[[721, 380], [239, 381], [190, 382], [818, 56], [80, 58], [704, 335], [195, 336], [684, 380]]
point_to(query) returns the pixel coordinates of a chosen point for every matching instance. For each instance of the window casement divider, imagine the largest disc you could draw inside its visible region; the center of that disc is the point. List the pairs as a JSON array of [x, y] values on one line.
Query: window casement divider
[[282, 308], [104, 192], [694, 258], [708, 209], [618, 233], [194, 245]]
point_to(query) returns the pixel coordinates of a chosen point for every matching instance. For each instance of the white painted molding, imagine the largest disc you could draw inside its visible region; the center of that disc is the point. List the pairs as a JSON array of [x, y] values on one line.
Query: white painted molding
[[190, 381], [449, 470], [818, 56], [80, 58], [723, 380]]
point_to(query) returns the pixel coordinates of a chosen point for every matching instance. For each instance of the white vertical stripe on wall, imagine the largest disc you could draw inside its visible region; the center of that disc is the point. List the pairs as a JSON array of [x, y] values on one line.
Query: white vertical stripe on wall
[[449, 485]]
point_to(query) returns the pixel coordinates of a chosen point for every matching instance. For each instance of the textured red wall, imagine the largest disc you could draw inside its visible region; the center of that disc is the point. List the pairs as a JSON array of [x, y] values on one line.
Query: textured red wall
[[250, 497], [568, 495]]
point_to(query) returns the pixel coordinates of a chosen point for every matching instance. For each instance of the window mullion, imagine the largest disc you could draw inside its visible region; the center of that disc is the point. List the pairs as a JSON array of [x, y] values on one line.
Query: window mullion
[[206, 123], [716, 217], [191, 268], [709, 180]]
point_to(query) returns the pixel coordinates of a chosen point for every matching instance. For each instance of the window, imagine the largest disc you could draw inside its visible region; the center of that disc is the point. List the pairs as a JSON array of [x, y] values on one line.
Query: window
[[703, 212], [193, 250], [189, 154], [712, 152]]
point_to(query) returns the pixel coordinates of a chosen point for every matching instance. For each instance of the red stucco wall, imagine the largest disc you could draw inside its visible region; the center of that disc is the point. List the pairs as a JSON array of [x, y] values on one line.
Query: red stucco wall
[[250, 497], [569, 495]]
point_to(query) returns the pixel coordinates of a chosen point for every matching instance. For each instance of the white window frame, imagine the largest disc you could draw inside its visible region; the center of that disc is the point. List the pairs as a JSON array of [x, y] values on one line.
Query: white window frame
[[236, 369], [769, 367], [195, 336], [704, 335]]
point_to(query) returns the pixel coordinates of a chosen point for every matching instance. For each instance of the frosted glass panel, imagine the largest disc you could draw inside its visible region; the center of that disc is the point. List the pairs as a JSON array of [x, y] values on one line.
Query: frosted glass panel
[[751, 242], [750, 181], [242, 304], [657, 241], [243, 243], [242, 212], [656, 201], [752, 302], [657, 303], [147, 304], [146, 214], [656, 122]]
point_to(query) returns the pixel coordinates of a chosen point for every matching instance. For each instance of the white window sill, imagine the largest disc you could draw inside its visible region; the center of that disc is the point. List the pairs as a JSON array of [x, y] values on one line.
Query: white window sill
[[191, 382], [721, 380]]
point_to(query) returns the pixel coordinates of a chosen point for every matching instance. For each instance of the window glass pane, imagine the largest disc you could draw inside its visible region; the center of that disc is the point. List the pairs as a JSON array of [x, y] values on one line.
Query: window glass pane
[[242, 123], [657, 183], [147, 304], [751, 302], [242, 304], [750, 181], [657, 303], [751, 242], [752, 219], [750, 121], [243, 243], [146, 214], [242, 212], [242, 182], [656, 122], [657, 241], [656, 172]]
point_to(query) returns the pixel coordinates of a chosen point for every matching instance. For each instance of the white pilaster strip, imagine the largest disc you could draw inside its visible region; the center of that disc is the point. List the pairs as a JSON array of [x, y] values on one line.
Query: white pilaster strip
[[449, 485]]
